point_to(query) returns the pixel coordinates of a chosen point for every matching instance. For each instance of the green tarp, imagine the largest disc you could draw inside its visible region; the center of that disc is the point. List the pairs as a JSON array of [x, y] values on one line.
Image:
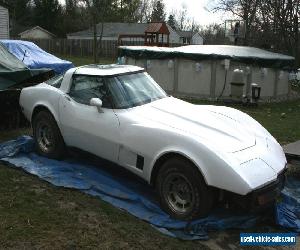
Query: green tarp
[[248, 55], [13, 71]]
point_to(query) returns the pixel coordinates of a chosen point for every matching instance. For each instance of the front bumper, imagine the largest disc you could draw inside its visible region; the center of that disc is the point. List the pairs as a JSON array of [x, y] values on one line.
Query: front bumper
[[262, 197]]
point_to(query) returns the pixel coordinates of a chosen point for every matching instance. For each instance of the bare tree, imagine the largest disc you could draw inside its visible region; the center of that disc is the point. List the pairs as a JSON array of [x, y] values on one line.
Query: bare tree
[[213, 34], [282, 17], [244, 9], [273, 24], [145, 10], [182, 20], [98, 12]]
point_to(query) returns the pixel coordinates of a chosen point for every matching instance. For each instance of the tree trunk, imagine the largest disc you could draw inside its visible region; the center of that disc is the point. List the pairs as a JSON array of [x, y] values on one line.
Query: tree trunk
[[100, 40], [95, 45]]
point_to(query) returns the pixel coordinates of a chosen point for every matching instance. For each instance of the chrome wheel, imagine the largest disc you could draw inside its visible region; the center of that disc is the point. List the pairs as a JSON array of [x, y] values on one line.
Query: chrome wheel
[[178, 193], [45, 137]]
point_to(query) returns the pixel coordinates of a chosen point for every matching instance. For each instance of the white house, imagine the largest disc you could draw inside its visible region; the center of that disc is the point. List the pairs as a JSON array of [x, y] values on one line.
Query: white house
[[36, 32], [190, 37], [4, 23]]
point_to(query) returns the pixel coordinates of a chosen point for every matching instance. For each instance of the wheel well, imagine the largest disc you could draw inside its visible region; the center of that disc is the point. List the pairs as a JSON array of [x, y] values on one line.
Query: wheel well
[[159, 162], [39, 109]]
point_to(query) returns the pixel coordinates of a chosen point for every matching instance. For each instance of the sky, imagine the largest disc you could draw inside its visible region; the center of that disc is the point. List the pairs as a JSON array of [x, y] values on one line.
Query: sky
[[199, 10], [196, 9]]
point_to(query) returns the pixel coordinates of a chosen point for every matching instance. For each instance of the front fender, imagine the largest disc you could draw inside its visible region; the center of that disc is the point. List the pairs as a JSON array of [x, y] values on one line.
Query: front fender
[[217, 170]]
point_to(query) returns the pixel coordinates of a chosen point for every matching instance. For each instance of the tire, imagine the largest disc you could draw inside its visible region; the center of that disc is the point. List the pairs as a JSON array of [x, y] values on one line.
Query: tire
[[47, 136], [182, 191]]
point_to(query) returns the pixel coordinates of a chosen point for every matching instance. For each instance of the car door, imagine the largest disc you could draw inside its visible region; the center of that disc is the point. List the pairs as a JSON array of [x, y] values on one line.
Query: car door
[[83, 126]]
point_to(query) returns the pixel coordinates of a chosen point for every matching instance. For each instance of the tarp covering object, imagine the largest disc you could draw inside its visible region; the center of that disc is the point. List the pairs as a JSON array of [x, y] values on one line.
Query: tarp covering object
[[13, 71], [242, 54], [288, 211], [34, 57], [122, 192]]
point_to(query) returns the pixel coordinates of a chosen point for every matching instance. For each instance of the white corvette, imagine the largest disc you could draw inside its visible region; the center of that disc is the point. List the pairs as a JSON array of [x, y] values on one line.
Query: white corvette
[[192, 154]]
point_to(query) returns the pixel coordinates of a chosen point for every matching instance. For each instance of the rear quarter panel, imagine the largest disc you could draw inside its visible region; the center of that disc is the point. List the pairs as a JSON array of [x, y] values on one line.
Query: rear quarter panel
[[40, 95]]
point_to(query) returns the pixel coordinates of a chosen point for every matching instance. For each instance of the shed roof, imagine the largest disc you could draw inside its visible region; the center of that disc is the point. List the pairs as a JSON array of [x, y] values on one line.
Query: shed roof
[[249, 55], [36, 28], [186, 33], [114, 29], [2, 6], [157, 28]]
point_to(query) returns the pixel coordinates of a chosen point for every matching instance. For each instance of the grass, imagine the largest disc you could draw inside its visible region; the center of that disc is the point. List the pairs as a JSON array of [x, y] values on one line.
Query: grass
[[280, 119], [79, 61], [35, 214]]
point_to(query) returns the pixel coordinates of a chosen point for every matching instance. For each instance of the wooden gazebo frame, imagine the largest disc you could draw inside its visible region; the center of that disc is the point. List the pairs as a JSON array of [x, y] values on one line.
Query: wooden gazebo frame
[[155, 34]]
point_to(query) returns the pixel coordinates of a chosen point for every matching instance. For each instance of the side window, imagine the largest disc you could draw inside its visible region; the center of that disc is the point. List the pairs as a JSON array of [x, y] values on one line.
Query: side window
[[55, 81], [84, 88]]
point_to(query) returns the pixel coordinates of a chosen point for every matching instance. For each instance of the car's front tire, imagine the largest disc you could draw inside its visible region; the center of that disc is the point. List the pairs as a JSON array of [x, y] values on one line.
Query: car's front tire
[[182, 190], [47, 136]]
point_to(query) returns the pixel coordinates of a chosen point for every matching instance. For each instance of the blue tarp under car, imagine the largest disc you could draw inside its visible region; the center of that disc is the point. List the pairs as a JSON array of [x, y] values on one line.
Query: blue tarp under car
[[34, 57], [126, 192]]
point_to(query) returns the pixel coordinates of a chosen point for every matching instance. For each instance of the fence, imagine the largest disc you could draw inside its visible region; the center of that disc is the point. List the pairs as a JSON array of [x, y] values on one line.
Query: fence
[[84, 47]]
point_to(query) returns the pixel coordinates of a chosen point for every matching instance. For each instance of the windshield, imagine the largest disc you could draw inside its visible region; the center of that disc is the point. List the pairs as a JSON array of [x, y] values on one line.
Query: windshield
[[133, 90]]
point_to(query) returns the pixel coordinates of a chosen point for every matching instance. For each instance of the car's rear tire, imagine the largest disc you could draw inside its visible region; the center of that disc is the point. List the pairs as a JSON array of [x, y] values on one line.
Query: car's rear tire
[[47, 136], [182, 190]]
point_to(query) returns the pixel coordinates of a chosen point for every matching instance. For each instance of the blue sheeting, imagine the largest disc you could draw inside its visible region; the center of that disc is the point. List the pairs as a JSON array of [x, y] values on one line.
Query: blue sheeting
[[34, 57], [134, 196], [288, 210]]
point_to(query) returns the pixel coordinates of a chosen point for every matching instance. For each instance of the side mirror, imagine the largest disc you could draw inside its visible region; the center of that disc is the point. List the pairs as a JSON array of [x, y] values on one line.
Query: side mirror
[[97, 103]]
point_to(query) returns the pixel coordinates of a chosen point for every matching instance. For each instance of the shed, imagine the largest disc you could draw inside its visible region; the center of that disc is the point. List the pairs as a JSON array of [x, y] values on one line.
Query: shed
[[199, 70], [157, 34], [190, 37], [36, 32], [4, 23]]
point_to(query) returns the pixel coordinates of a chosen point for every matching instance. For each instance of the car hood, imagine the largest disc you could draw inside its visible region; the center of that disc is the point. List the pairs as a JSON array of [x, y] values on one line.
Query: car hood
[[221, 127]]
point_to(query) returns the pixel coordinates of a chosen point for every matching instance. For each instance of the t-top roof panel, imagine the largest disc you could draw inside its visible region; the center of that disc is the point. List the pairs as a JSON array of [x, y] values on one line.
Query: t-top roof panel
[[106, 70], [248, 55]]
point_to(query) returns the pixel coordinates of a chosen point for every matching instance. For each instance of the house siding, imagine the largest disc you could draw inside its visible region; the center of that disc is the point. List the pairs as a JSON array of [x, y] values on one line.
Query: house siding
[[197, 39], [35, 34], [4, 23]]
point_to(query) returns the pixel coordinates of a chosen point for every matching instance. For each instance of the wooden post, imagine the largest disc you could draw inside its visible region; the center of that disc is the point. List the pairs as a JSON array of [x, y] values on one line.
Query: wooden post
[[275, 91], [48, 49], [80, 47], [213, 78], [64, 46], [71, 42], [175, 87]]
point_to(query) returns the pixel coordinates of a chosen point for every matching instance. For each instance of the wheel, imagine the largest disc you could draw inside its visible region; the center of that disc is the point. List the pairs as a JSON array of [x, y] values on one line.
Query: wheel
[[47, 136], [182, 190]]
